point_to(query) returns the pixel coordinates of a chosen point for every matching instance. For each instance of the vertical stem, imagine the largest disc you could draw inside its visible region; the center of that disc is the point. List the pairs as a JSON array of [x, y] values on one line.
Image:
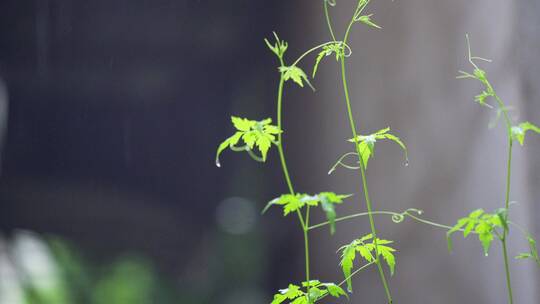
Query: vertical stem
[[364, 180], [507, 203], [303, 223], [507, 270], [306, 248], [328, 21], [508, 123], [280, 142]]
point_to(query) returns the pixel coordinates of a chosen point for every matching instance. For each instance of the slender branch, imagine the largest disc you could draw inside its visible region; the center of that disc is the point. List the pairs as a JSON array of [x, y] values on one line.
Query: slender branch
[[303, 223], [328, 20], [310, 51], [361, 6]]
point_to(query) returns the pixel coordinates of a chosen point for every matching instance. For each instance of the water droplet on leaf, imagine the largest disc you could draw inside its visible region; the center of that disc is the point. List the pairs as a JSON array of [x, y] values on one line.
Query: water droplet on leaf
[[218, 164]]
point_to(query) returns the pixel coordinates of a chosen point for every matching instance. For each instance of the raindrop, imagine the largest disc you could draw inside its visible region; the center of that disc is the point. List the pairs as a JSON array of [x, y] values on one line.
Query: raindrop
[[406, 164], [218, 164]]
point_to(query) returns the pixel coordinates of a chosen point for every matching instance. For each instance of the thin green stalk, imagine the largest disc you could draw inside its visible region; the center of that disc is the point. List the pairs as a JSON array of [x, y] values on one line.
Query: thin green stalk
[[328, 21], [364, 181], [508, 123], [396, 218], [303, 223], [505, 233], [507, 270], [306, 247], [359, 9]]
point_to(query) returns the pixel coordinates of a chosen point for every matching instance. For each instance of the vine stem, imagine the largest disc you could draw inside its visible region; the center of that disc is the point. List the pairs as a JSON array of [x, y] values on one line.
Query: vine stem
[[508, 123], [304, 223], [396, 218], [505, 233], [360, 7], [364, 180]]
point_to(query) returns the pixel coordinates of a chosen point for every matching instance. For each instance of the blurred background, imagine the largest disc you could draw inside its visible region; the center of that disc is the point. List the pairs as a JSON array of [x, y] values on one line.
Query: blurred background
[[111, 113]]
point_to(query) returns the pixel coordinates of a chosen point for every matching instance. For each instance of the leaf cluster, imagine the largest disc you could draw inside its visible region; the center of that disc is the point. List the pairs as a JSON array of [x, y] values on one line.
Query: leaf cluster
[[481, 223], [317, 290], [279, 47], [261, 134], [366, 143], [519, 131], [337, 48], [327, 201], [366, 246]]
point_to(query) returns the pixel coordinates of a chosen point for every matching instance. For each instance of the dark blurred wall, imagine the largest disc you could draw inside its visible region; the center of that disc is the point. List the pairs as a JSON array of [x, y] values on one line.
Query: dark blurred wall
[[116, 109]]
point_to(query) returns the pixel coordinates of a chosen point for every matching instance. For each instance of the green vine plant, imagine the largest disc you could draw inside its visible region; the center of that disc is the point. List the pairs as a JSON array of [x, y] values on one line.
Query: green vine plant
[[257, 137], [496, 225]]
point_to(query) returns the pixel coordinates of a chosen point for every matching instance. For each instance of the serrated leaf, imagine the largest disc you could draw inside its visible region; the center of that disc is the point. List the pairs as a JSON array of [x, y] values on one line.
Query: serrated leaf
[[347, 257], [366, 143], [320, 56], [295, 74], [327, 50], [335, 290], [486, 239], [231, 141], [242, 124], [264, 143], [253, 133], [469, 228], [367, 252], [388, 256]]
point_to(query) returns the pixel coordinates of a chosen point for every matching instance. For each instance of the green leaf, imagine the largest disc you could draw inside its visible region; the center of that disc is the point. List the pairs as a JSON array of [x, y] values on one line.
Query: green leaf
[[481, 223], [348, 254], [399, 142], [336, 48], [366, 19], [264, 142], [476, 213], [366, 143], [242, 124], [518, 132], [334, 290], [317, 62], [231, 141], [328, 199], [292, 292], [388, 256], [469, 228], [366, 251], [485, 238], [311, 283], [292, 203], [460, 223], [300, 300], [481, 98], [279, 47], [253, 133], [295, 74]]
